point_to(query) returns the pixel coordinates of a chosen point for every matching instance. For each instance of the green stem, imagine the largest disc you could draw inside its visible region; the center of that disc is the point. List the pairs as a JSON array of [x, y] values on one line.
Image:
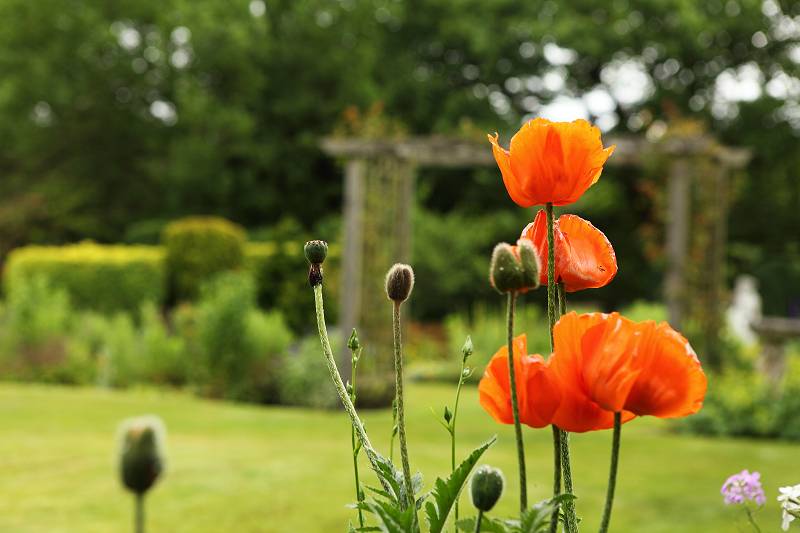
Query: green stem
[[612, 474], [340, 388], [453, 428], [478, 521], [394, 430], [401, 423], [555, 305], [139, 513], [751, 519], [556, 476], [353, 369], [523, 484]]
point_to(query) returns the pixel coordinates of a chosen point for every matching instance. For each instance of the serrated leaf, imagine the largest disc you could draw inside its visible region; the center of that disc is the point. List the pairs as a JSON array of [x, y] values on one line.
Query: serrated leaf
[[536, 519], [445, 492], [488, 525], [391, 518]]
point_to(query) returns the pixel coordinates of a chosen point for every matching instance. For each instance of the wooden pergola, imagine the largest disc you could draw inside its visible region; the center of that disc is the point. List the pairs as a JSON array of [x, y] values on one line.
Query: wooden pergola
[[379, 181]]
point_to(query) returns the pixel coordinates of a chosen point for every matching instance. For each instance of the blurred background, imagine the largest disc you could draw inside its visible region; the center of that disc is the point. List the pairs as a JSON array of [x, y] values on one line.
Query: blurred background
[[162, 163]]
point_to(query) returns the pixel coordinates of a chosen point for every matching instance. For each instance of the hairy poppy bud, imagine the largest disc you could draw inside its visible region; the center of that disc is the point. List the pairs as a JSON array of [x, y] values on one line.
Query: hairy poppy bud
[[141, 456], [505, 270], [486, 487], [316, 251], [399, 282], [530, 263]]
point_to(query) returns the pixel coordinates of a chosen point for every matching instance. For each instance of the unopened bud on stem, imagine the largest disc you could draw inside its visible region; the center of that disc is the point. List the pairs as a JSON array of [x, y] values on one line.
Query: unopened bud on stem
[[399, 282], [316, 251], [486, 487], [141, 456]]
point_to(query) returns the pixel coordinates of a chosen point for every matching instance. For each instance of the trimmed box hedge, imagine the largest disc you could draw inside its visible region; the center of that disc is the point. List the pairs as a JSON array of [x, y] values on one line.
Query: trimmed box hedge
[[106, 278]]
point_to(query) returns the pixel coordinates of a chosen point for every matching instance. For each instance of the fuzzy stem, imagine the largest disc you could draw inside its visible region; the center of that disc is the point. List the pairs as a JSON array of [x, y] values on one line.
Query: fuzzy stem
[[452, 428], [401, 423], [394, 430], [612, 474], [556, 476], [554, 309], [523, 484], [139, 513], [340, 388], [353, 444], [478, 521]]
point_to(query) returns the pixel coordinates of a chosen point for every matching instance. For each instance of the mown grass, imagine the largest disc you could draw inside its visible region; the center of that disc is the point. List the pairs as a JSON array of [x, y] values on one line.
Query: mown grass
[[271, 469]]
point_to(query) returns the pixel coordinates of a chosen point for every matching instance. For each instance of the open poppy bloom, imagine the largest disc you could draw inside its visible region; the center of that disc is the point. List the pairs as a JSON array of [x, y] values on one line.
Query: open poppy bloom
[[551, 162], [592, 364], [585, 258], [537, 393], [605, 363]]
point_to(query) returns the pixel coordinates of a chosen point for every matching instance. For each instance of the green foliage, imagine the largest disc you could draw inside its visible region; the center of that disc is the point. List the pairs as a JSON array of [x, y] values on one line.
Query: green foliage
[[304, 379], [743, 403], [197, 248], [241, 348], [445, 492], [535, 519], [274, 264], [97, 277]]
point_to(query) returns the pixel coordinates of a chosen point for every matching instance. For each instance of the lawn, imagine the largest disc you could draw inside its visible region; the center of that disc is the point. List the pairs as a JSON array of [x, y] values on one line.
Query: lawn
[[270, 469]]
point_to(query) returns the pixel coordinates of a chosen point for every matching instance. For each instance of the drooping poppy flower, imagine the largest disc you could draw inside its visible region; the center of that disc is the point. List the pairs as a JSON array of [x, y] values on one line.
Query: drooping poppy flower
[[670, 382], [605, 363], [592, 362], [537, 394], [551, 162], [585, 258]]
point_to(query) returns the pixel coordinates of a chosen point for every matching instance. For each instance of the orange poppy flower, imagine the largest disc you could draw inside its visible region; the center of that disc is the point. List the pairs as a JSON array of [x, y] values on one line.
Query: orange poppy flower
[[670, 383], [537, 393], [551, 162], [585, 258], [592, 364]]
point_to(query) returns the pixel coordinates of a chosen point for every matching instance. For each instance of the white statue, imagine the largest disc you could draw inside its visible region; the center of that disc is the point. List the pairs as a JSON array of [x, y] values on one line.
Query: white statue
[[745, 309]]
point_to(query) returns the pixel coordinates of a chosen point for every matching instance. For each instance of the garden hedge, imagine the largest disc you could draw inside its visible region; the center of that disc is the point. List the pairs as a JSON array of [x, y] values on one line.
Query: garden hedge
[[99, 277], [197, 248]]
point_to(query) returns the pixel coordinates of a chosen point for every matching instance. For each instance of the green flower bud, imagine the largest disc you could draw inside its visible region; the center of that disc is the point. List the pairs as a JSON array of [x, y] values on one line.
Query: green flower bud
[[141, 455], [316, 251], [530, 263], [352, 342], [505, 270], [399, 282], [448, 416], [467, 349], [486, 487]]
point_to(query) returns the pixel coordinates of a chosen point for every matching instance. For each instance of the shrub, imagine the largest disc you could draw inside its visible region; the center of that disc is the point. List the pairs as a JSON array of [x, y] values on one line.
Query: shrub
[[165, 360], [241, 347], [95, 276], [280, 270], [305, 380], [36, 321], [197, 248]]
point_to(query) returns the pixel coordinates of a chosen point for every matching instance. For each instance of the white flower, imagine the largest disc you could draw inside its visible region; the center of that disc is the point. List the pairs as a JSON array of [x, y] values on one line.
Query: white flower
[[790, 503]]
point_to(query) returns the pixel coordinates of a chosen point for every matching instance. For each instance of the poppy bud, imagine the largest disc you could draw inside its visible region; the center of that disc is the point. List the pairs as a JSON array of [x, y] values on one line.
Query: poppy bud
[[486, 487], [399, 282], [316, 251], [352, 342], [141, 457], [467, 349], [505, 270], [530, 263]]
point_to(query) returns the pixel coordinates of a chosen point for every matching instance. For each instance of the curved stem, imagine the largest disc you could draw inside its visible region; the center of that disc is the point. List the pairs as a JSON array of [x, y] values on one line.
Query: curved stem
[[523, 489], [478, 521], [612, 474], [340, 388], [139, 513], [751, 519], [453, 428], [401, 423]]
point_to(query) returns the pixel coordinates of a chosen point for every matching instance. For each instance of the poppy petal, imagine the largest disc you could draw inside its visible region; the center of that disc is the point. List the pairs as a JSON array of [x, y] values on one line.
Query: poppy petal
[[592, 262], [513, 186], [671, 382]]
